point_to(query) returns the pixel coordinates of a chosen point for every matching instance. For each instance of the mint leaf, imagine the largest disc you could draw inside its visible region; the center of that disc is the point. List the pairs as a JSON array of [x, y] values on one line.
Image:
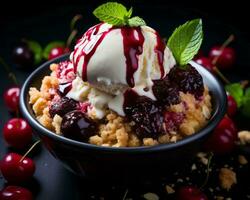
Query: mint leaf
[[186, 40], [50, 46], [112, 13], [36, 49], [136, 21], [129, 13], [245, 109], [236, 91]]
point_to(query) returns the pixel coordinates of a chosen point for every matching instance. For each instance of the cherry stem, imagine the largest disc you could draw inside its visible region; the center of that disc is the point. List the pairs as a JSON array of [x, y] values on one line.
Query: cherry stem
[[71, 38], [75, 19], [125, 195], [31, 148], [223, 46], [208, 168], [219, 73], [8, 70], [214, 61], [244, 83]]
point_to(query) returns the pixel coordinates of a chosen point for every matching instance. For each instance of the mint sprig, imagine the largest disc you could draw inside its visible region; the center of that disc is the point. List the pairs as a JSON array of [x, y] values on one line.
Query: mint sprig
[[36, 48], [236, 91], [241, 96], [117, 14], [246, 103], [136, 21], [185, 41]]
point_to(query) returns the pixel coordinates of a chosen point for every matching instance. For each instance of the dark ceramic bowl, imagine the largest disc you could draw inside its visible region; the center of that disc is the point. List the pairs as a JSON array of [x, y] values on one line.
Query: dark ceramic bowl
[[95, 161]]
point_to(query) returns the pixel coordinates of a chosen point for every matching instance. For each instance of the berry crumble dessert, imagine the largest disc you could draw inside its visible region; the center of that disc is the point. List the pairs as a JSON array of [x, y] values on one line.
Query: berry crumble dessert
[[124, 87]]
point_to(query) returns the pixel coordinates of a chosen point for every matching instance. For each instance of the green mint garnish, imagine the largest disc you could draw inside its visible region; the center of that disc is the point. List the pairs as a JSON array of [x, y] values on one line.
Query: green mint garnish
[[245, 109], [36, 49], [236, 91], [117, 15], [136, 21], [185, 41], [241, 96]]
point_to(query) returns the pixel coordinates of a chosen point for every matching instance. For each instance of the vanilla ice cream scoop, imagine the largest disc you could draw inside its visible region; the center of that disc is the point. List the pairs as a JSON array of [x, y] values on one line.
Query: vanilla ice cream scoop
[[113, 59]]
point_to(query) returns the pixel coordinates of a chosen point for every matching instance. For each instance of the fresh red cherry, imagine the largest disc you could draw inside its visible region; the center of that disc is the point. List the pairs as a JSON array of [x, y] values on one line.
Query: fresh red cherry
[[228, 126], [190, 193], [56, 52], [223, 138], [231, 106], [226, 57], [15, 193], [205, 62], [15, 171], [11, 98], [17, 133]]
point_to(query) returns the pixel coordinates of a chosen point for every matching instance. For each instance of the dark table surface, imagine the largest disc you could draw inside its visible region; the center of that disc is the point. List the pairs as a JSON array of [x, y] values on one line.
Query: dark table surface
[[51, 180]]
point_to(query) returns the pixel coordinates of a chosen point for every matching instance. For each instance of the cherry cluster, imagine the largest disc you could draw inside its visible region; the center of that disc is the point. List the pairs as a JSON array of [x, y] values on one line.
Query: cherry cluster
[[14, 167]]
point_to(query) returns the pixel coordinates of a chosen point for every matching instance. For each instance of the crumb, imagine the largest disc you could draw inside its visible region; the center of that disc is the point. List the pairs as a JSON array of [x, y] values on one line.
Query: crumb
[[180, 180], [201, 155], [211, 190], [219, 198], [193, 167], [242, 160], [151, 196], [227, 178], [169, 189], [149, 142], [244, 137], [57, 120], [204, 161], [203, 158]]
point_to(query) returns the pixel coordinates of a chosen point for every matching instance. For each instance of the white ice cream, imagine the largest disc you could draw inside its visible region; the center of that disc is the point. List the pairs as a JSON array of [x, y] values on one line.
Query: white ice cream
[[101, 53]]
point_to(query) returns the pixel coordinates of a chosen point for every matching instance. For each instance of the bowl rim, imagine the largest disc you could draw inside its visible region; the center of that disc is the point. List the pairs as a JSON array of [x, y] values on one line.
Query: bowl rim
[[217, 115]]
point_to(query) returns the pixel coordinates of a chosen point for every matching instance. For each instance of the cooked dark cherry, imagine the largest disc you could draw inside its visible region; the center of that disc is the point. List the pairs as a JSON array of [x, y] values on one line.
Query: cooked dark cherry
[[188, 79], [166, 92], [146, 114], [64, 88], [62, 106], [76, 125]]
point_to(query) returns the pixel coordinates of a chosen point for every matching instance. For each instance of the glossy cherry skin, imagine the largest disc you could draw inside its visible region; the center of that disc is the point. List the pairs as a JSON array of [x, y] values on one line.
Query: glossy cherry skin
[[226, 56], [15, 171], [17, 133], [23, 56], [205, 62], [190, 193], [231, 106], [11, 98], [15, 193], [223, 138], [56, 52]]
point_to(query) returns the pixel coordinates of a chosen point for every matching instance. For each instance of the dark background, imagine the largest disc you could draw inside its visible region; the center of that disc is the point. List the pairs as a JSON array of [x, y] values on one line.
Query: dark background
[[46, 21]]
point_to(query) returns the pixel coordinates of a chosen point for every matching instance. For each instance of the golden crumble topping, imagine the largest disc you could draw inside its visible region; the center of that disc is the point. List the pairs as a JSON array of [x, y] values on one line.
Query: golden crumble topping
[[113, 129], [227, 178]]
